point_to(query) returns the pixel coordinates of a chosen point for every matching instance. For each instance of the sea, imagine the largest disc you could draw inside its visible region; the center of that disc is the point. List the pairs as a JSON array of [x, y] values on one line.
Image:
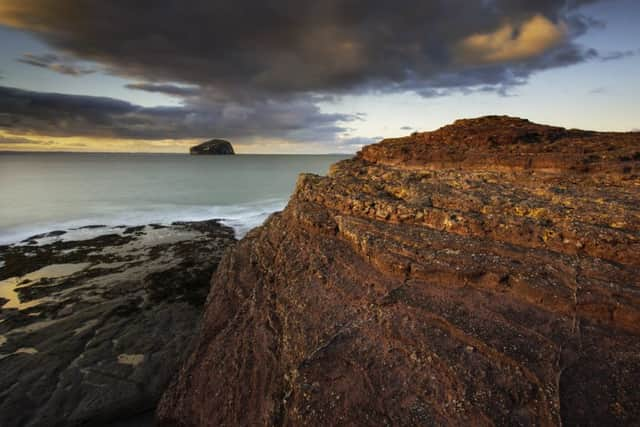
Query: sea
[[42, 192]]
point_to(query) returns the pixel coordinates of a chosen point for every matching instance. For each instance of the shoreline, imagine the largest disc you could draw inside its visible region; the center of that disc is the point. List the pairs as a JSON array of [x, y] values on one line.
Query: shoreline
[[101, 324], [241, 217], [59, 192], [485, 273]]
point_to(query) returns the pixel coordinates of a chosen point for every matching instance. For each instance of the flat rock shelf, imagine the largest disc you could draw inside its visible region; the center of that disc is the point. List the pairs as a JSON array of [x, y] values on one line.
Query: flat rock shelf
[[93, 328]]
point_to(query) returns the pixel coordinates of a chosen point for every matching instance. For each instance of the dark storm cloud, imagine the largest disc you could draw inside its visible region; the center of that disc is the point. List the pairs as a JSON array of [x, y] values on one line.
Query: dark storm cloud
[[56, 63], [262, 66], [286, 46], [71, 115]]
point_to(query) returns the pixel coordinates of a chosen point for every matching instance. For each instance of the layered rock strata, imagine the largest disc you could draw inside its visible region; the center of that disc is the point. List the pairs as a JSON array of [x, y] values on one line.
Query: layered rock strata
[[487, 273]]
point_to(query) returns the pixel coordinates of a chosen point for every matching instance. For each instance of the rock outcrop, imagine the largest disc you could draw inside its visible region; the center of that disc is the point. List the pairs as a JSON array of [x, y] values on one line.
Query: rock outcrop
[[487, 273], [92, 329], [213, 147]]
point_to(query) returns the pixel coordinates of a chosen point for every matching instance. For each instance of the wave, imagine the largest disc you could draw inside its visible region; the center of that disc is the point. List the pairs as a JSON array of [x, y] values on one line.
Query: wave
[[241, 217]]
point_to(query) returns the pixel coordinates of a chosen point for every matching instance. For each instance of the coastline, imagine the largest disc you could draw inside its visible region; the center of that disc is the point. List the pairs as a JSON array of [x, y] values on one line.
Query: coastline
[[241, 218], [42, 192], [417, 265], [482, 274], [100, 324]]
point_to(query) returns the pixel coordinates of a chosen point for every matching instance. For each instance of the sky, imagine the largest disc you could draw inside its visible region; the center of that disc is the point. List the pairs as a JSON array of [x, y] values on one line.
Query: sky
[[293, 76]]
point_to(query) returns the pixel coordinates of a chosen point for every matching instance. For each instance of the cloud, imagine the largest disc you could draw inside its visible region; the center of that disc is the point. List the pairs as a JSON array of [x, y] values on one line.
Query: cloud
[[406, 128], [291, 47], [614, 56], [56, 63], [11, 140], [167, 89], [251, 69], [509, 43], [297, 118]]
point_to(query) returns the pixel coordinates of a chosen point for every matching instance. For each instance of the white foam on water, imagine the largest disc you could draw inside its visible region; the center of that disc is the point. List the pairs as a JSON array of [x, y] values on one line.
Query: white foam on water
[[44, 192], [245, 218], [241, 217]]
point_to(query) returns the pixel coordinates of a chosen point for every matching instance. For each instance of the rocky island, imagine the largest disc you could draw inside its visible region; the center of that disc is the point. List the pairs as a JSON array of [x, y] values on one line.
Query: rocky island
[[213, 147], [487, 273]]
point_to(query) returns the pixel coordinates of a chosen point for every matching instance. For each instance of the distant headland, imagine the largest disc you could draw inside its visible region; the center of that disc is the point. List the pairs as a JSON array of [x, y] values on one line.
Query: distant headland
[[213, 147]]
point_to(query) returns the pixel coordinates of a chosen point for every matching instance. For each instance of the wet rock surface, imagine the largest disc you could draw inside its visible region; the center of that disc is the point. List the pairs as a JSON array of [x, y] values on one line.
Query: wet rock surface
[[92, 329], [487, 273]]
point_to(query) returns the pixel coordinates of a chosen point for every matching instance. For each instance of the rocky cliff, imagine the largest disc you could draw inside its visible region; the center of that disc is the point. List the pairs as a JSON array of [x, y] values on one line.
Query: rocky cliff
[[487, 273]]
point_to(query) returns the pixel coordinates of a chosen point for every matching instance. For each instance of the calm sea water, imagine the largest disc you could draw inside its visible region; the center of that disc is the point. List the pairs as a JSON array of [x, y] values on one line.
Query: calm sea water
[[40, 192]]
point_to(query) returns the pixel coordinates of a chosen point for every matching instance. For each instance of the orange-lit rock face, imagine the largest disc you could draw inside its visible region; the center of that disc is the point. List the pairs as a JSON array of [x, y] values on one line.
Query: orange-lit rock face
[[485, 273]]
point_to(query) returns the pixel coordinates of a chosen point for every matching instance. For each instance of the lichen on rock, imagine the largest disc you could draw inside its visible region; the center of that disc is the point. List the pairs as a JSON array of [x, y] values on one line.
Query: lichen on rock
[[468, 276]]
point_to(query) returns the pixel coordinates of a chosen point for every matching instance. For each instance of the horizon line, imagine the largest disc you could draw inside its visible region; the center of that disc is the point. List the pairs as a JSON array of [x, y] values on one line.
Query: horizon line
[[169, 153]]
